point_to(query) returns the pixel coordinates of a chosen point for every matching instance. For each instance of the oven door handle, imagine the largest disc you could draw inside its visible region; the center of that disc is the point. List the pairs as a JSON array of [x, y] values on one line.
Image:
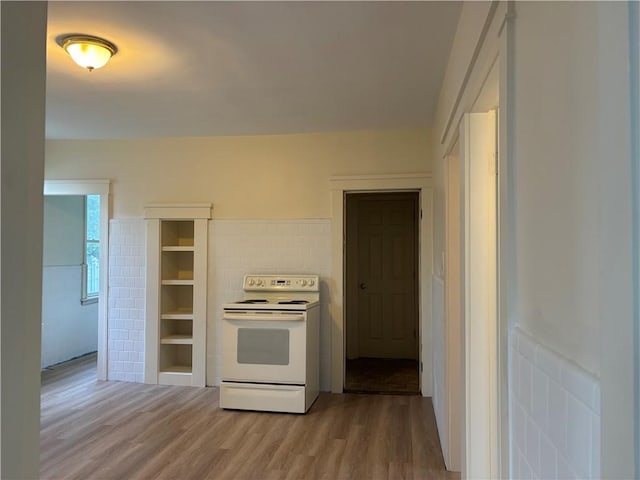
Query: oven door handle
[[264, 317]]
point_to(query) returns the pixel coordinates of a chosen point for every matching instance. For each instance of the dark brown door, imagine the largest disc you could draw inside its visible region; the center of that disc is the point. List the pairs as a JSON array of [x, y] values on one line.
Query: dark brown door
[[382, 292]]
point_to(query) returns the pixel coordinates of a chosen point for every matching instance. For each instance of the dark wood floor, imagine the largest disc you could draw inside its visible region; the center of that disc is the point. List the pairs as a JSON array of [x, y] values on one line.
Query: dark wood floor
[[117, 430], [382, 375]]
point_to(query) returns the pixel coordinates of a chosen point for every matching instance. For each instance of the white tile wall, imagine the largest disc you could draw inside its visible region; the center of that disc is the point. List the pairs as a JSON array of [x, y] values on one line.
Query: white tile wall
[[238, 247], [126, 300], [555, 414]]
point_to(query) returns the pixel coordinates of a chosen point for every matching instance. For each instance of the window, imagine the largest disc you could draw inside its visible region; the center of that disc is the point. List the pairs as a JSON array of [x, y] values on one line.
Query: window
[[91, 266]]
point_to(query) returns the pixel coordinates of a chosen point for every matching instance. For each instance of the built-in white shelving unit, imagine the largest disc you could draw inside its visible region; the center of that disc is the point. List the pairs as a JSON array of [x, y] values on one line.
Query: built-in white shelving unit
[[175, 338]]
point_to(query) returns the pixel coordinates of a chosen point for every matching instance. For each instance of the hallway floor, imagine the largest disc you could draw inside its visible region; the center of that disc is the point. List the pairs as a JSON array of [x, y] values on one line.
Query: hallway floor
[[381, 375], [116, 430]]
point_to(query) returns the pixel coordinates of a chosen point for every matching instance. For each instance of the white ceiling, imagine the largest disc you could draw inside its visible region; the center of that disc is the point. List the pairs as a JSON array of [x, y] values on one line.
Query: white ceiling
[[245, 68]]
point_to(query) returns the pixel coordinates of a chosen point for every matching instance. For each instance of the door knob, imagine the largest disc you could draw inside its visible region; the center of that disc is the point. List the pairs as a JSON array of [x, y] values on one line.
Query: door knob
[[363, 286]]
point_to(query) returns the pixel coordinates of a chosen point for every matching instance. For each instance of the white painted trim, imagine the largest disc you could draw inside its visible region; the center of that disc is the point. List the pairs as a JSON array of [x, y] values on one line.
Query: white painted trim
[[200, 292], [348, 180], [178, 211], [152, 301], [153, 320], [493, 44], [480, 294], [505, 237], [272, 220], [453, 312], [456, 111], [94, 187], [483, 59], [77, 187], [421, 182]]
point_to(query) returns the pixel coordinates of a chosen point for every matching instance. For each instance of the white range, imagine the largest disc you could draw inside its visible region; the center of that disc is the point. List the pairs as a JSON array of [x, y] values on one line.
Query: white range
[[270, 345]]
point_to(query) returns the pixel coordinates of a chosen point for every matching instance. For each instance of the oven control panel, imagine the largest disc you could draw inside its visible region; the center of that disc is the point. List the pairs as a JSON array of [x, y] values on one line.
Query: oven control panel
[[296, 283]]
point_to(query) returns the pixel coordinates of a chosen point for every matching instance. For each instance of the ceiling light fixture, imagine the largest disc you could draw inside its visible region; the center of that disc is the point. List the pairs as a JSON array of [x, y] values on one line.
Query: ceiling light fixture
[[88, 51]]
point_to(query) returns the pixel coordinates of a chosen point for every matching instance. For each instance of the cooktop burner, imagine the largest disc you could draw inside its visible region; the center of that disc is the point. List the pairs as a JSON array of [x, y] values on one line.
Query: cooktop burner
[[277, 293]]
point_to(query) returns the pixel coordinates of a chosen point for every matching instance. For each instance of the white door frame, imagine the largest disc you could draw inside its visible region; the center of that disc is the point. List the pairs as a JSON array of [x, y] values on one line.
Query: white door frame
[[102, 188], [480, 293], [453, 313], [495, 43], [340, 186]]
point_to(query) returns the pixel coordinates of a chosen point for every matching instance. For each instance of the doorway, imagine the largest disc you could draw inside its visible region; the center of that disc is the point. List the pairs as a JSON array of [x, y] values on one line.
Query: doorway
[[382, 265], [99, 188], [70, 278]]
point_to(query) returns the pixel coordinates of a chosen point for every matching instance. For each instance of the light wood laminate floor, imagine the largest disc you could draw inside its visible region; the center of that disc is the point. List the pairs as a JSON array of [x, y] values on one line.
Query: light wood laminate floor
[[117, 430]]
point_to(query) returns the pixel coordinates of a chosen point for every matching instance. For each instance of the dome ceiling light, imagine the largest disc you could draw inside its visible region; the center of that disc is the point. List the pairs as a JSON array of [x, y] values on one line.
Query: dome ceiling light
[[88, 51]]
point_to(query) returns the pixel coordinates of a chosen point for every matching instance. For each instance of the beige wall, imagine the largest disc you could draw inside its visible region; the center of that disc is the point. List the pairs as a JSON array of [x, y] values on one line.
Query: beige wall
[[563, 157], [24, 28], [556, 179], [278, 176], [572, 180]]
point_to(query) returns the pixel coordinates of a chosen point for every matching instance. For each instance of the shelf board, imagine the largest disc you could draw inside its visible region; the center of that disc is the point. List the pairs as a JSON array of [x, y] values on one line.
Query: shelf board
[[180, 314], [178, 248], [177, 370], [177, 340], [177, 282], [175, 375]]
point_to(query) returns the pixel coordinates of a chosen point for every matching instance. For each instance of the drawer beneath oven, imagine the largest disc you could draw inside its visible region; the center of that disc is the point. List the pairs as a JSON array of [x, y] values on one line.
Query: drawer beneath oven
[[264, 397]]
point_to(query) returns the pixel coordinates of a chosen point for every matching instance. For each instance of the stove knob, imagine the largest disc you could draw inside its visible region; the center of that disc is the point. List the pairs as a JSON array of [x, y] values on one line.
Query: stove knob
[[251, 282], [259, 282], [311, 282], [304, 283]]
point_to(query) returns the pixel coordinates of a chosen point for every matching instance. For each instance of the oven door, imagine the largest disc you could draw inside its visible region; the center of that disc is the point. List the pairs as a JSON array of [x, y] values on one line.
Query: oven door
[[264, 346]]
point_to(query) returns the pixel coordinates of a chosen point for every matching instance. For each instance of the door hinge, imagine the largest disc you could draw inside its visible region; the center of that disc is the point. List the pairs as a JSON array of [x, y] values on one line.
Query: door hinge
[[420, 214], [421, 367]]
